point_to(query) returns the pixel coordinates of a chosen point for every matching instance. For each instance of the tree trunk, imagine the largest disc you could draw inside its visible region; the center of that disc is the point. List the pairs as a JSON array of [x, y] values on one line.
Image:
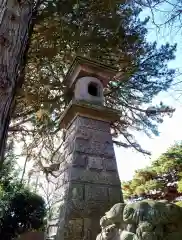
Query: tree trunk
[[6, 105], [15, 24]]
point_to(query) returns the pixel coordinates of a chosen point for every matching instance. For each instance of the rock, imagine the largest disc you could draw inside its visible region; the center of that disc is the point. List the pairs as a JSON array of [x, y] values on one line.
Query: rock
[[143, 220]]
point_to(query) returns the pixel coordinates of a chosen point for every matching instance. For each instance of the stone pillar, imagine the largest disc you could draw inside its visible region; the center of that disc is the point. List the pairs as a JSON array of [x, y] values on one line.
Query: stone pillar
[[90, 180]]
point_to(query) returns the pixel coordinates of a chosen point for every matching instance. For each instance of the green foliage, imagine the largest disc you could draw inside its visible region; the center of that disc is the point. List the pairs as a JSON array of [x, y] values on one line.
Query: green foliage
[[180, 185], [111, 33], [179, 203], [162, 180], [20, 209]]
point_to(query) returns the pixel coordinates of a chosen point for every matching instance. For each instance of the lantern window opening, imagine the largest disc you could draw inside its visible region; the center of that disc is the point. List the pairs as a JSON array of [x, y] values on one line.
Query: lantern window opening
[[93, 89]]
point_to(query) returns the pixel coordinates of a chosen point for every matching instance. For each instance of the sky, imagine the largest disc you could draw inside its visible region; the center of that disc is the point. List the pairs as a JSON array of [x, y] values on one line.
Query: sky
[[170, 130]]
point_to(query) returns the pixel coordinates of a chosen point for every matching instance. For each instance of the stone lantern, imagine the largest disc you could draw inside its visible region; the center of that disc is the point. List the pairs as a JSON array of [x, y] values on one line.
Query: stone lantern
[[89, 180]]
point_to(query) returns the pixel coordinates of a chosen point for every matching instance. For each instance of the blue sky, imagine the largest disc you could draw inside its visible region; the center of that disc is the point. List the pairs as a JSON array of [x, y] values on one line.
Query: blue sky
[[170, 130], [130, 160]]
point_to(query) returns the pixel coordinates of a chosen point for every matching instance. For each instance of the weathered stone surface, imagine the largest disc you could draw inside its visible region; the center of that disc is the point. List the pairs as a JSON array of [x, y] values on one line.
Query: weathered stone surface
[[84, 132], [93, 124], [96, 148], [89, 182], [74, 229], [86, 208], [110, 164], [96, 193], [92, 134], [87, 228], [86, 176], [69, 149], [95, 162], [114, 194], [72, 127], [143, 220], [79, 160], [77, 191]]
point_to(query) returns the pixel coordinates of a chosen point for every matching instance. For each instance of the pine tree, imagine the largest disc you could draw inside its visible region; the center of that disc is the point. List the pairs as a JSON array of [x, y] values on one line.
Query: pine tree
[[161, 180], [170, 12], [109, 32]]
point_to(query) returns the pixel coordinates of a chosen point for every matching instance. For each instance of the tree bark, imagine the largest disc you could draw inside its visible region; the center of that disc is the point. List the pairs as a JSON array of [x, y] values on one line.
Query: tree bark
[[15, 24], [6, 105]]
